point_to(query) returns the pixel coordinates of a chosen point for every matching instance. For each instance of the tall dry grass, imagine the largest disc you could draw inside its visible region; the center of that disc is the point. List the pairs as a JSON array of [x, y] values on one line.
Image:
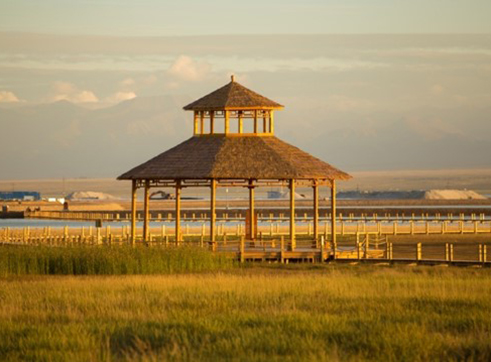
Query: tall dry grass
[[288, 313]]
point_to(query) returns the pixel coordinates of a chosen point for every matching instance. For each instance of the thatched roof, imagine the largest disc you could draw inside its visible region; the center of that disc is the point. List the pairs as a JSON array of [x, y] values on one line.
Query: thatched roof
[[225, 157], [232, 96]]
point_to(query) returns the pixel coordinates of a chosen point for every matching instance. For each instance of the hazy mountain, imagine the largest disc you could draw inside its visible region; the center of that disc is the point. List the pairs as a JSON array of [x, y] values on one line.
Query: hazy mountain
[[62, 139]]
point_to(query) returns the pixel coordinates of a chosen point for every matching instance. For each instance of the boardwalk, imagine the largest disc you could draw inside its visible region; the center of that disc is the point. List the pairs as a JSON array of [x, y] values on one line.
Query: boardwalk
[[358, 247]]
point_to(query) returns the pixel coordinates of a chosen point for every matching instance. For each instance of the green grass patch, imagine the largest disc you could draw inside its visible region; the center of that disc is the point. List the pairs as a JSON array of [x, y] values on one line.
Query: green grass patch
[[108, 260]]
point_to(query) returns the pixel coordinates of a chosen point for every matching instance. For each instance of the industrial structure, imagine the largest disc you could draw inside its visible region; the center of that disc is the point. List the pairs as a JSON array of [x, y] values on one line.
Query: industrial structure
[[20, 196]]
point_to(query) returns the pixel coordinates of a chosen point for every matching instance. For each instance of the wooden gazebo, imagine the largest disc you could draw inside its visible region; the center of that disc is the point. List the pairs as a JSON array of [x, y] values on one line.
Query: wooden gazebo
[[233, 159]]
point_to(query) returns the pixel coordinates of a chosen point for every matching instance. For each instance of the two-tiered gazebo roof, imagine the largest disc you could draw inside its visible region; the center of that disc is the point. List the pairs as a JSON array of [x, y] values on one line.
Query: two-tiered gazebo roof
[[226, 158]]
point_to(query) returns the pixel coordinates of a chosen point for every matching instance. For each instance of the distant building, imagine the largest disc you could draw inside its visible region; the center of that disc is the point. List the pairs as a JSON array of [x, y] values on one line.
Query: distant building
[[20, 195]]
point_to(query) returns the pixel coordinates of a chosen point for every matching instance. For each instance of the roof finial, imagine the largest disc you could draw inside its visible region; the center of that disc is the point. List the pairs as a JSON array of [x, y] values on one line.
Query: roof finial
[[232, 77]]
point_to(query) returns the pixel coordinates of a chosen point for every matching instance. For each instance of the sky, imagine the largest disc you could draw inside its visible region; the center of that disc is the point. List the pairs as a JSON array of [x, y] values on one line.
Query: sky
[[367, 85], [215, 17]]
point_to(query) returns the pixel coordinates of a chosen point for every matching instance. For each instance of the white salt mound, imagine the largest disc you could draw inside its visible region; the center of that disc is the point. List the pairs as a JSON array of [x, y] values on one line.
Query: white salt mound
[[453, 195], [89, 195]]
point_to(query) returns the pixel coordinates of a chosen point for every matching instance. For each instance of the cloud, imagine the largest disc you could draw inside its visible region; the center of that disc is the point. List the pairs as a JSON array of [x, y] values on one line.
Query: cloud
[[128, 82], [8, 97], [187, 69], [437, 89], [69, 92], [120, 97]]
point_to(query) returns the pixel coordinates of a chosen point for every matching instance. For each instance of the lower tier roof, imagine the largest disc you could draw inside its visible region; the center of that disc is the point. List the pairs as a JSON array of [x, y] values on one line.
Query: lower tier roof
[[234, 157]]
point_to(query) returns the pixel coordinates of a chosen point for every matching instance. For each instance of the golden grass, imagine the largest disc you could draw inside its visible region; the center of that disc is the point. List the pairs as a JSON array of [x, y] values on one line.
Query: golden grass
[[332, 312]]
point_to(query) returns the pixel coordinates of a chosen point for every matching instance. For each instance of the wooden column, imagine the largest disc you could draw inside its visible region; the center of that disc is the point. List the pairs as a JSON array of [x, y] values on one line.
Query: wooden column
[[146, 210], [271, 122], [333, 214], [213, 209], [315, 188], [255, 122], [227, 122], [178, 210], [292, 213], [265, 123], [241, 123], [202, 122], [251, 210], [196, 130], [133, 211], [212, 122]]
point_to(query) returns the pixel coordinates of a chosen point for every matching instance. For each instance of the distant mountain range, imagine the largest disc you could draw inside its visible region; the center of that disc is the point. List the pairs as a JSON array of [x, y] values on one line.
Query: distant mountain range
[[66, 140]]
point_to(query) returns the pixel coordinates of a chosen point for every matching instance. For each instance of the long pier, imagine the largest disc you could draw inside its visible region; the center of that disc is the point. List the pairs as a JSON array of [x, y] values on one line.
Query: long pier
[[273, 214], [276, 221]]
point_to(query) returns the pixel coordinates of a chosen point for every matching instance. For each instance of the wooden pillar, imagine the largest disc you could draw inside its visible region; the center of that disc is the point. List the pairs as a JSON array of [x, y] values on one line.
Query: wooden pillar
[[315, 188], [241, 123], [195, 132], [202, 122], [146, 209], [265, 128], [333, 214], [292, 213], [213, 209], [271, 122], [255, 121], [227, 122], [133, 211], [212, 122], [178, 210], [251, 210]]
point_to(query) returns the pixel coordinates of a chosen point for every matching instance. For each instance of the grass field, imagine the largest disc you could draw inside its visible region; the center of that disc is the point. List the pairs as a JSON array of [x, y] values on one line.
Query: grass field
[[295, 312], [108, 260]]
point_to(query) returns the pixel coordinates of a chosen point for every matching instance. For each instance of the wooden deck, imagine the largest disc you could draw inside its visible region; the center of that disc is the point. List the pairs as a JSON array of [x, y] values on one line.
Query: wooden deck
[[281, 251]]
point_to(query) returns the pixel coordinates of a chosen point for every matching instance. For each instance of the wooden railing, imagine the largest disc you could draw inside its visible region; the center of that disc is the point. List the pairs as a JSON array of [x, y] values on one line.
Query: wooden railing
[[362, 247]]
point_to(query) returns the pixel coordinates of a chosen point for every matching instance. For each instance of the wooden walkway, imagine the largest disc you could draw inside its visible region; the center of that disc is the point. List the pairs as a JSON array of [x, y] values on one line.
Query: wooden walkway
[[196, 224], [273, 215], [365, 248]]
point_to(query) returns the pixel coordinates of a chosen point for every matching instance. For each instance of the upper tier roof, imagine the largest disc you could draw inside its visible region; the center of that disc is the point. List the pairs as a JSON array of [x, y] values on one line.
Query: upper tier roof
[[232, 96]]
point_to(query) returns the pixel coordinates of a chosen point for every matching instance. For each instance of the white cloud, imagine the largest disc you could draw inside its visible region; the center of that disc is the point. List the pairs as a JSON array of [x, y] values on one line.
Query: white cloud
[[8, 97], [120, 96], [69, 92], [186, 68]]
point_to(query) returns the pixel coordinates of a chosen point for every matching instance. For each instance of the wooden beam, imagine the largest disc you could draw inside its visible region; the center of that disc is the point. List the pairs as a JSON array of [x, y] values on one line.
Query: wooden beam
[[133, 212], [195, 132], [146, 211], [227, 122], [315, 188], [212, 122], [255, 121], [292, 214], [333, 216], [213, 209], [252, 220], [178, 211], [202, 122], [271, 122]]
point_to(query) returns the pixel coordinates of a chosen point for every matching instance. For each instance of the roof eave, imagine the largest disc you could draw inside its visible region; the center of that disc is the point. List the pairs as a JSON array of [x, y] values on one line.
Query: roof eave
[[198, 108]]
